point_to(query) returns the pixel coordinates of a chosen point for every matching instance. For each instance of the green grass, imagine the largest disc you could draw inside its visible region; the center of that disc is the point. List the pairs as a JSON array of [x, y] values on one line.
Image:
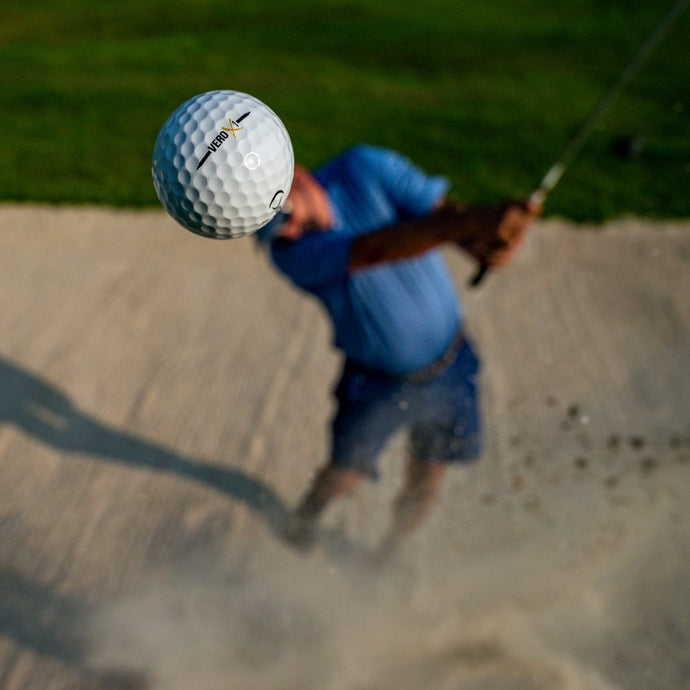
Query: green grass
[[488, 93]]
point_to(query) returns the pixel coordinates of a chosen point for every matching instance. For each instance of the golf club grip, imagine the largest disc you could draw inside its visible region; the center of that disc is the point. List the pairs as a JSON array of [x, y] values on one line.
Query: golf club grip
[[479, 276]]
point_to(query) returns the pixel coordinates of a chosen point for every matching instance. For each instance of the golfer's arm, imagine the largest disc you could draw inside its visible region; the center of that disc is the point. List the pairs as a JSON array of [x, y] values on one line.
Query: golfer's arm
[[407, 239]]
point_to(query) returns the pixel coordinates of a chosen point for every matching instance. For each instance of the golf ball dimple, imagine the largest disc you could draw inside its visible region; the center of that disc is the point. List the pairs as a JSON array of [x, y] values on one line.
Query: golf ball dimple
[[223, 164]]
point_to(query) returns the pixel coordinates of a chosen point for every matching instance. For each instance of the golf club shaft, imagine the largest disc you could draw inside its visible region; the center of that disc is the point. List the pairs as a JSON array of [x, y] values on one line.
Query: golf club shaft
[[556, 171]]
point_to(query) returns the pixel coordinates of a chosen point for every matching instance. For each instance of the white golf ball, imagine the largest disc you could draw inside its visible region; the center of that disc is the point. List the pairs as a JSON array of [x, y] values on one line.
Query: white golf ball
[[223, 164]]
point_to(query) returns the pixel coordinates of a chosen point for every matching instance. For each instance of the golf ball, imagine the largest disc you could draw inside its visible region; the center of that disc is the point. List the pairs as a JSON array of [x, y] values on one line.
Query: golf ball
[[223, 164]]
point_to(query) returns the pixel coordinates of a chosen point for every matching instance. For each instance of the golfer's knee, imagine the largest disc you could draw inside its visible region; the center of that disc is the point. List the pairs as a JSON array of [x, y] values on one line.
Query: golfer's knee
[[426, 475], [338, 481]]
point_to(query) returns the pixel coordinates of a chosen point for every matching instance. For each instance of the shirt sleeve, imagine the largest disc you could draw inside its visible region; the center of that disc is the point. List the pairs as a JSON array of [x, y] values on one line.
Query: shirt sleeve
[[413, 192], [315, 260]]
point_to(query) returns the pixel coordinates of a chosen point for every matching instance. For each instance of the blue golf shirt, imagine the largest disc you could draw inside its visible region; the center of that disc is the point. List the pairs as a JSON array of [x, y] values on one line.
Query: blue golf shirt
[[398, 316]]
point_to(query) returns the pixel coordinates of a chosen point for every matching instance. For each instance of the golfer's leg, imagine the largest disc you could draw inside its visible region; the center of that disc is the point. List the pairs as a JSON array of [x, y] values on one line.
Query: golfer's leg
[[414, 501], [330, 483]]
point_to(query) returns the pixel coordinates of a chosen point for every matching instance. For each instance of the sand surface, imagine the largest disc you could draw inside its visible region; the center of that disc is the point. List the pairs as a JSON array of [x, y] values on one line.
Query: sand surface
[[164, 400]]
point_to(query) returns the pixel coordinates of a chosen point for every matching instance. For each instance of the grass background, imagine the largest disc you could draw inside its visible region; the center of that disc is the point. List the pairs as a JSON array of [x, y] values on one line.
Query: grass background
[[488, 93]]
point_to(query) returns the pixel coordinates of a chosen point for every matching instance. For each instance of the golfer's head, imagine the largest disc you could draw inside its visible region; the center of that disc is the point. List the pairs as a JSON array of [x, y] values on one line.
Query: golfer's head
[[306, 209]]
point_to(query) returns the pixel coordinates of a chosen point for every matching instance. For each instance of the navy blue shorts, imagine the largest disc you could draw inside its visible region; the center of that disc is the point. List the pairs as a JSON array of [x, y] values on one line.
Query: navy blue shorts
[[442, 415]]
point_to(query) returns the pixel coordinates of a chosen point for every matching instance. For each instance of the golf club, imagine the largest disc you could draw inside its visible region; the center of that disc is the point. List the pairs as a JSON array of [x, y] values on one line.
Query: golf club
[[556, 171]]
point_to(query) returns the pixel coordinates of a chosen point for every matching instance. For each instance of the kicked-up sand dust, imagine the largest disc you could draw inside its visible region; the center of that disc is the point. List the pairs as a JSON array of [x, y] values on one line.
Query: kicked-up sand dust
[[164, 400]]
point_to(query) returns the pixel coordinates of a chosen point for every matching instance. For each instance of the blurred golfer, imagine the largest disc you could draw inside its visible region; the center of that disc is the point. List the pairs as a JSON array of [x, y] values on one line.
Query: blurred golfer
[[362, 233]]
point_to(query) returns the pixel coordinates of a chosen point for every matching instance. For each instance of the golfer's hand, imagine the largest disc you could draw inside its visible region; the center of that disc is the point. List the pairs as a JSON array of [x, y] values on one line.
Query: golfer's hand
[[495, 233]]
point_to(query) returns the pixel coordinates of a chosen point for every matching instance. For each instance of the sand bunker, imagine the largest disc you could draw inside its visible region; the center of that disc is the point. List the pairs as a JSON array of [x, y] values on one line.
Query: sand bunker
[[165, 398]]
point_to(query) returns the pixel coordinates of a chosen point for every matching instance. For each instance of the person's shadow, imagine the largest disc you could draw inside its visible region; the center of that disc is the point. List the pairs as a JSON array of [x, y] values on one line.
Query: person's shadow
[[50, 416], [37, 615], [50, 623]]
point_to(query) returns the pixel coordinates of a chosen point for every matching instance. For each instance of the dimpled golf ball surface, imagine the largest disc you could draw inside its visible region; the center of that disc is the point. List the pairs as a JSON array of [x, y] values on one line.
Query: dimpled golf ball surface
[[223, 164]]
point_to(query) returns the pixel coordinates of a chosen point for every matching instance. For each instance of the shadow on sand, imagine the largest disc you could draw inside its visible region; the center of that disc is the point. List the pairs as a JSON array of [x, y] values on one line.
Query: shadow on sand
[[40, 618], [35, 615], [50, 416]]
